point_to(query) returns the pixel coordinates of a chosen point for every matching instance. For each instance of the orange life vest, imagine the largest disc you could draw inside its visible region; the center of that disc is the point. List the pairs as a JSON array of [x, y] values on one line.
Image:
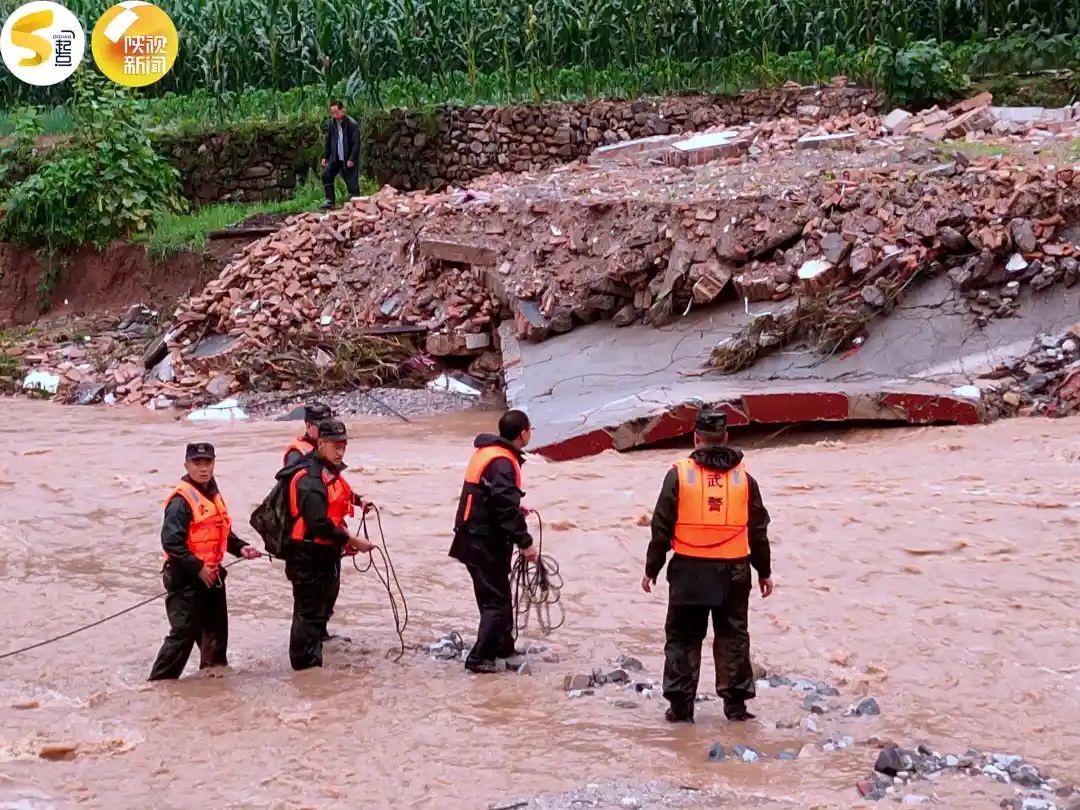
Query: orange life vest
[[474, 474], [208, 534], [714, 510], [301, 445], [339, 505]]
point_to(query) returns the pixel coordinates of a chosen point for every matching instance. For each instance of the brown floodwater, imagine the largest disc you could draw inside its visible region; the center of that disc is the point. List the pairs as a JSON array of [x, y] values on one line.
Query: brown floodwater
[[935, 569]]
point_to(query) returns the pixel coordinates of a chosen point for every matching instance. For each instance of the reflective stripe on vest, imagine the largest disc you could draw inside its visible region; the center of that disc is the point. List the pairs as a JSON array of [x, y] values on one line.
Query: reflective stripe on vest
[[474, 473], [300, 445], [339, 505], [714, 509], [208, 534]]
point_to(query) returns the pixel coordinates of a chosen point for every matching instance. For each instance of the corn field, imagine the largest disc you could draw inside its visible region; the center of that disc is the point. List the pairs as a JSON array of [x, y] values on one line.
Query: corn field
[[233, 45]]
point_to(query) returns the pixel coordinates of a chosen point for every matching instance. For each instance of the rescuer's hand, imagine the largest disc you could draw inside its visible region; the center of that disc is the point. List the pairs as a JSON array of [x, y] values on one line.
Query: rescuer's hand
[[646, 584], [208, 574], [525, 511], [360, 544], [366, 506], [323, 162], [250, 553], [766, 587], [532, 553]]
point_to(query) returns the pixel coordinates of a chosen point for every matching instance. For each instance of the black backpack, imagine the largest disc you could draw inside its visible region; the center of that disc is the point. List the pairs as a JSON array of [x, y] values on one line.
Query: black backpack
[[272, 520]]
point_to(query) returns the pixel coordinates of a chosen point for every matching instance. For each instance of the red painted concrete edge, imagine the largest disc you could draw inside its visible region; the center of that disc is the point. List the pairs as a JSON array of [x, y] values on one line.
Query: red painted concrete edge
[[767, 409]]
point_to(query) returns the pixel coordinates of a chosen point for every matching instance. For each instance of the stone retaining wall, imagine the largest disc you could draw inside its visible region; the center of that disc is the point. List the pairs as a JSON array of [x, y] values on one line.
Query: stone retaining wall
[[453, 145], [243, 164]]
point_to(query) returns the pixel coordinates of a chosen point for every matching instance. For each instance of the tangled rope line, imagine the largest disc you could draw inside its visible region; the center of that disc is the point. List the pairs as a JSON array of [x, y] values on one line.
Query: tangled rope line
[[537, 589], [383, 566]]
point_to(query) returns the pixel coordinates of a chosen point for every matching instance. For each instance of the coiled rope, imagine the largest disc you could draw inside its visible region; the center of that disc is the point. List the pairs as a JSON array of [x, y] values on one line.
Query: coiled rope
[[388, 577], [537, 589]]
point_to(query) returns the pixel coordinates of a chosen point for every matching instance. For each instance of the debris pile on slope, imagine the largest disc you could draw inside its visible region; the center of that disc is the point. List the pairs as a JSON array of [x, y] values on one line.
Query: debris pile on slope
[[1044, 382], [826, 213], [975, 117], [996, 227]]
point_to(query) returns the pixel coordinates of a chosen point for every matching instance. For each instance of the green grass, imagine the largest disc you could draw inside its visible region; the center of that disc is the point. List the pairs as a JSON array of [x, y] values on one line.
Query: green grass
[[1074, 148], [979, 150], [188, 231]]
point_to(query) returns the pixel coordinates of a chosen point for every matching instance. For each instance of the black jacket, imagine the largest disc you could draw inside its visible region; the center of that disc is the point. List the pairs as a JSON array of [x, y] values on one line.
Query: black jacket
[[701, 581], [351, 130], [313, 499], [495, 523], [294, 457], [174, 532]]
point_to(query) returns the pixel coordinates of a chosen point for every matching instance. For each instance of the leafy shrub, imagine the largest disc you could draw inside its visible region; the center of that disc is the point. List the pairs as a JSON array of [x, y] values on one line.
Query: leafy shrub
[[107, 182]]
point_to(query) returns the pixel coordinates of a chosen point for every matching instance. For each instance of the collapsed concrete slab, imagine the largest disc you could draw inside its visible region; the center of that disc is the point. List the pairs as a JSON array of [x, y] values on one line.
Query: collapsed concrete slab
[[602, 388]]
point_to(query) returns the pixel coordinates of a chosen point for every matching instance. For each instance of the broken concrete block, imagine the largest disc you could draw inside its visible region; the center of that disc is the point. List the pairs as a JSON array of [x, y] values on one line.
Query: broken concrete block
[[459, 252], [817, 275], [977, 120], [755, 285], [710, 285], [973, 103], [707, 147], [837, 140], [897, 122], [220, 386], [477, 341], [531, 324]]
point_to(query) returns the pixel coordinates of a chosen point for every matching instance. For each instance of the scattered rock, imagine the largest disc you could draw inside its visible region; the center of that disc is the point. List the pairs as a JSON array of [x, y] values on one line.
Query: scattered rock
[[576, 683], [717, 753], [866, 708]]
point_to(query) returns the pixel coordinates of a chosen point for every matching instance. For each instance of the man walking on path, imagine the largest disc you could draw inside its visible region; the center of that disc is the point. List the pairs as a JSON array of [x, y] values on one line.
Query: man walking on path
[[341, 153], [710, 514]]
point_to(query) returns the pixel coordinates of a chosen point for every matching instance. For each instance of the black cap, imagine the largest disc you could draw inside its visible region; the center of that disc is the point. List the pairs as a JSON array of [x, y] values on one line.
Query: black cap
[[200, 450], [710, 421], [333, 430], [315, 412]]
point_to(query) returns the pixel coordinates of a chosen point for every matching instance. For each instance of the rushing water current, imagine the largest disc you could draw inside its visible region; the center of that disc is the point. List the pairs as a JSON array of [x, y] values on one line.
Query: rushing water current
[[935, 569]]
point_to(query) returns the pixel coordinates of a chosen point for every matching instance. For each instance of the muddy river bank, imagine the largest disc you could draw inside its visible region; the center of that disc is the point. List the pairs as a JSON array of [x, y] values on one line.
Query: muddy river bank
[[934, 569]]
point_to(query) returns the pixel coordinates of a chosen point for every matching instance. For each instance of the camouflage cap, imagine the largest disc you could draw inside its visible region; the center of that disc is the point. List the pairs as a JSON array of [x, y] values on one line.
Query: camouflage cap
[[199, 450], [333, 430], [710, 421]]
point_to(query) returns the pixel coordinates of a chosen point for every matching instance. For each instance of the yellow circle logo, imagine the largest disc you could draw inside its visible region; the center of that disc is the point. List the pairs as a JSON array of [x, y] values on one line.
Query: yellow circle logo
[[134, 43]]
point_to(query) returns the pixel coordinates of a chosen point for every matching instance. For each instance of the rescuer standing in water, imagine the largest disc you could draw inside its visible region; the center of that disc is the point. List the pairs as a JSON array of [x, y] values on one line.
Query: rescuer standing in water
[[195, 534], [298, 449], [314, 412], [320, 500], [490, 522], [710, 514]]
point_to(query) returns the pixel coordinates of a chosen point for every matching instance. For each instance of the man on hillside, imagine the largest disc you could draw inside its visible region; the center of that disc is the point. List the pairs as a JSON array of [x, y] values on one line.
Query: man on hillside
[[341, 153]]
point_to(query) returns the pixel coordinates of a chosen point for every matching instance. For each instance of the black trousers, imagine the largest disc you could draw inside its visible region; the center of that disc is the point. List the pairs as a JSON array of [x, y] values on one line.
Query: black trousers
[[686, 627], [313, 572], [197, 615], [495, 636], [350, 176], [335, 589]]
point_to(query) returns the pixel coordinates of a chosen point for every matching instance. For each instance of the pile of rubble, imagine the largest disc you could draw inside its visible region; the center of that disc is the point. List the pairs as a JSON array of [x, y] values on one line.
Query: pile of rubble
[[831, 214], [1044, 382], [976, 116], [898, 767]]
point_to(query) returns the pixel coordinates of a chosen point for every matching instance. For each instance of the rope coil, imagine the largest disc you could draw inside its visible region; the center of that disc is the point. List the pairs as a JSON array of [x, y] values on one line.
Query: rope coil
[[388, 577], [537, 589]]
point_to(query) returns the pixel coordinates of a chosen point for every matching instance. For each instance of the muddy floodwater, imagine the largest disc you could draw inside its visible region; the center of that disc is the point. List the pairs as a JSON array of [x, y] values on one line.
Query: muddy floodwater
[[934, 569]]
